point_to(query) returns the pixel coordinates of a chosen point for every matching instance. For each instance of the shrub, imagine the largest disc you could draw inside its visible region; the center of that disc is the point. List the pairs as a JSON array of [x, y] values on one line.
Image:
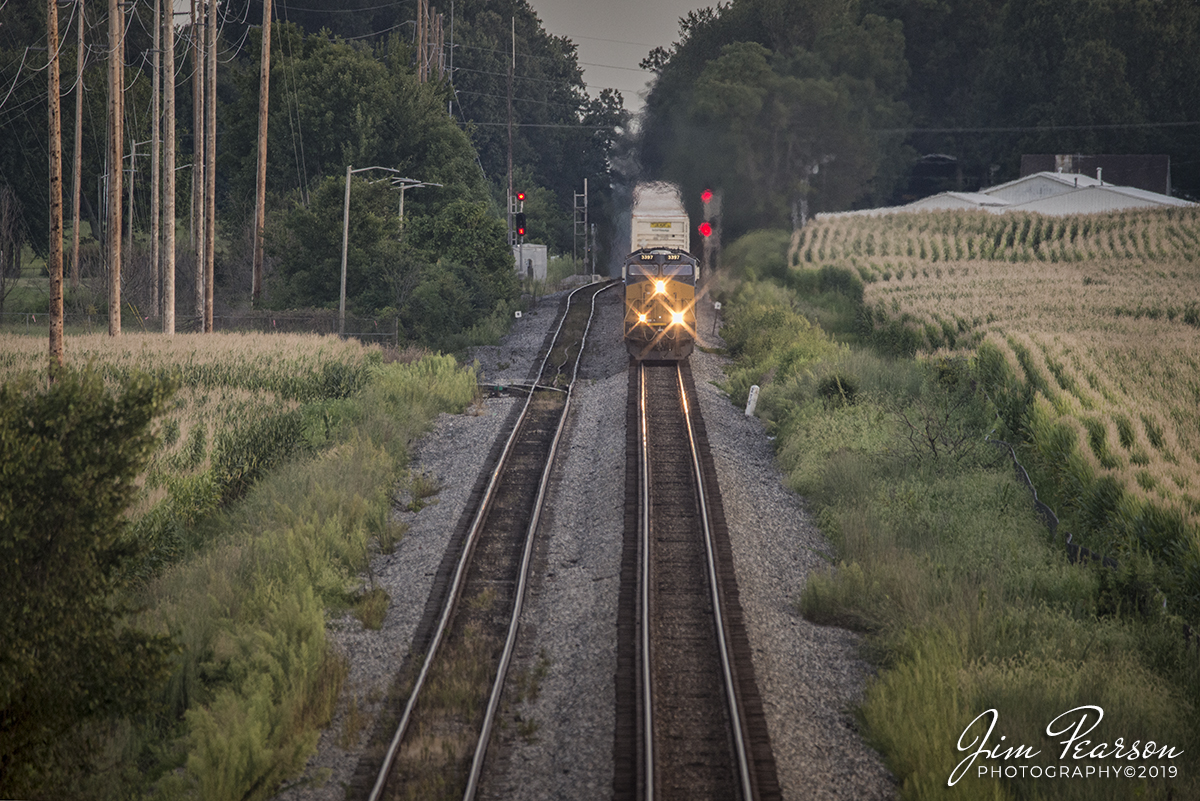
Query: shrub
[[72, 453], [759, 254]]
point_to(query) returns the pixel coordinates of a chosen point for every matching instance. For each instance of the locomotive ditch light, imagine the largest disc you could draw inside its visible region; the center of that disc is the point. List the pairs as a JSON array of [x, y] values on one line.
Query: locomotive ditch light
[[641, 317], [676, 318]]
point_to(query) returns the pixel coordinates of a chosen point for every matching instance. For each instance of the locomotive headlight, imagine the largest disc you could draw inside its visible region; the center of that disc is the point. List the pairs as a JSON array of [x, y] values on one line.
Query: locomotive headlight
[[660, 287], [677, 318]]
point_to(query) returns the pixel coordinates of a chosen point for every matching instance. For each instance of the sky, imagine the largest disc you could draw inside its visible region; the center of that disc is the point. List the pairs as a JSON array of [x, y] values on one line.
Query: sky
[[614, 35]]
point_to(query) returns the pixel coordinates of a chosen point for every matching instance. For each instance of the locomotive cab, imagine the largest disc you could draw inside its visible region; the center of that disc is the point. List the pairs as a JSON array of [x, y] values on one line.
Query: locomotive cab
[[660, 303]]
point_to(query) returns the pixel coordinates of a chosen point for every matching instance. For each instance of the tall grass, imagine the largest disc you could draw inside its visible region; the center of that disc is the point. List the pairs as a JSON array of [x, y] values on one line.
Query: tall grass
[[968, 603], [256, 679], [274, 487]]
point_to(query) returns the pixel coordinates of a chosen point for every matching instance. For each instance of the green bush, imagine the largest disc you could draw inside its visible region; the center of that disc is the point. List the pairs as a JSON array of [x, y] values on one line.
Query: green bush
[[759, 254], [72, 454]]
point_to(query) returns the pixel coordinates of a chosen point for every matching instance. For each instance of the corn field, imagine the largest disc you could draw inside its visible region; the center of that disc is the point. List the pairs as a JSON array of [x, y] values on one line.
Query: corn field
[[1096, 319], [236, 412]]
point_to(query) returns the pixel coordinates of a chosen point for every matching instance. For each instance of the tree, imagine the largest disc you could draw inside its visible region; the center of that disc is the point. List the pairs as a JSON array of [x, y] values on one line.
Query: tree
[[447, 270], [73, 453], [781, 130], [561, 134], [994, 69], [12, 242], [780, 89]]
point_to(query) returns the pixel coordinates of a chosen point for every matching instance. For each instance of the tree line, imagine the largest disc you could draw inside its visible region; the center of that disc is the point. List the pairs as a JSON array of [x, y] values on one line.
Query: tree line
[[819, 105], [345, 90]]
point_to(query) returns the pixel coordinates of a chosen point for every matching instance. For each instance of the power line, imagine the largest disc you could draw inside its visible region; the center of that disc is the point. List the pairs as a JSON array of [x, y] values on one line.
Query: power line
[[613, 67], [339, 10], [614, 41], [540, 80], [548, 125], [522, 99], [1036, 128]]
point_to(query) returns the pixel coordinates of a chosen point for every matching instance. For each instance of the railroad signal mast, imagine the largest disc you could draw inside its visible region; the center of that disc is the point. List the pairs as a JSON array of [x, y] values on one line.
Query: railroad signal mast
[[517, 233], [516, 218], [519, 217], [710, 228]]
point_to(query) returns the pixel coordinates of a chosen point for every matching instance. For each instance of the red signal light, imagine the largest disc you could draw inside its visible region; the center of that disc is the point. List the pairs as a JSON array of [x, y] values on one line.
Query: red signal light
[[706, 229], [521, 196], [705, 197]]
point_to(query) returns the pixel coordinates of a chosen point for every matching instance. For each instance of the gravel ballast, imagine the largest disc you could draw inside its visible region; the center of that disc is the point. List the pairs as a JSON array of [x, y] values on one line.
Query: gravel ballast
[[556, 737]]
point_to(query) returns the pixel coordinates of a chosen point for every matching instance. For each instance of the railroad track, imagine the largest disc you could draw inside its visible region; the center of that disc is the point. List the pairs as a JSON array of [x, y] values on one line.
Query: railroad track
[[689, 718], [440, 743]]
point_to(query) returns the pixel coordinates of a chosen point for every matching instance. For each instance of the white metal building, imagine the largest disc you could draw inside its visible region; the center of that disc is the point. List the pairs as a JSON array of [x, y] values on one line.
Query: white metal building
[[1050, 193], [530, 261]]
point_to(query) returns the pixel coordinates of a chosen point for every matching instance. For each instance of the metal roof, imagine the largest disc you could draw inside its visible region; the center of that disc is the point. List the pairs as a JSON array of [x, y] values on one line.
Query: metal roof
[[1050, 193]]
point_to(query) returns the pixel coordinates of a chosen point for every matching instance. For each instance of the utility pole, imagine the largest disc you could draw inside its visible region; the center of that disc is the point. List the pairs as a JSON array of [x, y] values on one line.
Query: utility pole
[[168, 212], [421, 14], [260, 193], [116, 159], [346, 242], [133, 171], [440, 46], [198, 161], [55, 258], [76, 177], [132, 175], [155, 164], [406, 184], [210, 168], [511, 69]]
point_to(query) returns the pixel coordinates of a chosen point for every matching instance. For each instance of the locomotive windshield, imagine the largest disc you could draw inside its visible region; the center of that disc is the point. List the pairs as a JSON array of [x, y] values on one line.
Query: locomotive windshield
[[668, 265]]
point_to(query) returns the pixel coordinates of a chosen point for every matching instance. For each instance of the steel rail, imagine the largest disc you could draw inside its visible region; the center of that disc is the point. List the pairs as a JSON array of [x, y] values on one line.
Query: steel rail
[[644, 581], [462, 566], [485, 734], [731, 695]]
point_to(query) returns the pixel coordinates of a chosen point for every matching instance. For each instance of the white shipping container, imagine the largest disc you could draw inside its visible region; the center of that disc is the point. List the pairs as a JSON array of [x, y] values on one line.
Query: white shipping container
[[658, 218]]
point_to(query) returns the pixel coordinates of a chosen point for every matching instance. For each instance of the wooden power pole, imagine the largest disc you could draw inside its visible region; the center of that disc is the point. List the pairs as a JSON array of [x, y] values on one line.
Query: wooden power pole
[[116, 157], [55, 259], [210, 165], [155, 162], [77, 166], [198, 161], [260, 193], [168, 210]]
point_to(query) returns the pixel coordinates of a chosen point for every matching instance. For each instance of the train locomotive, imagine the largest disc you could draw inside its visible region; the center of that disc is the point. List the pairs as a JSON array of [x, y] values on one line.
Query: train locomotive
[[660, 303]]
